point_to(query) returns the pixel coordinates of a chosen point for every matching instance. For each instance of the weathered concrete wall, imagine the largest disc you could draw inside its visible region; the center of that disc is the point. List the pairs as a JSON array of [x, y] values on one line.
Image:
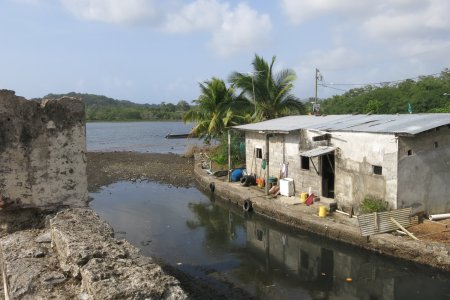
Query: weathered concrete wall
[[354, 177], [424, 171], [42, 152], [282, 149], [354, 161]]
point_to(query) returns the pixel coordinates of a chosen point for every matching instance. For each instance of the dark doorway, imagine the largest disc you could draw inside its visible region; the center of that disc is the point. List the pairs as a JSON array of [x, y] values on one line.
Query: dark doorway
[[328, 175]]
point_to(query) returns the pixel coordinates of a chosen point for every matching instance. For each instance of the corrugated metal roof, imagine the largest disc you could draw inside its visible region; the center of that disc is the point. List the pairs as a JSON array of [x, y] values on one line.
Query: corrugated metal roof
[[405, 124], [318, 151]]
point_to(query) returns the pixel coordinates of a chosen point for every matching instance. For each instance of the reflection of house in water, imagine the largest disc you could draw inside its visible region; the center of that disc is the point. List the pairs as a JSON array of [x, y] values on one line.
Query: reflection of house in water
[[323, 270]]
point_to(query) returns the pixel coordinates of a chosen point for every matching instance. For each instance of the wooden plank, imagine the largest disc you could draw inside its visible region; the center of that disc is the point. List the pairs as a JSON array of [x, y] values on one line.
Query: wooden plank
[[374, 223], [404, 229]]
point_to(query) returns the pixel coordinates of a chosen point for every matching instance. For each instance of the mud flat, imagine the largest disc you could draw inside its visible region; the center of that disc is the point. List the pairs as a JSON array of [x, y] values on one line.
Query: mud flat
[[104, 168]]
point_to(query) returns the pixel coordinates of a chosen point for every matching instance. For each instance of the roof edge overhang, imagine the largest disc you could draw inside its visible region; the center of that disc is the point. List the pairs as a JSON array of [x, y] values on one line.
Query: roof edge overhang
[[318, 151]]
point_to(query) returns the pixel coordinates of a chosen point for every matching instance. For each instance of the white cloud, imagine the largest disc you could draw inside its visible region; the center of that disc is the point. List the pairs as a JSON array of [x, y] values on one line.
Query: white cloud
[[112, 11], [232, 30], [198, 15], [381, 29], [242, 30], [302, 11], [336, 59], [428, 20]]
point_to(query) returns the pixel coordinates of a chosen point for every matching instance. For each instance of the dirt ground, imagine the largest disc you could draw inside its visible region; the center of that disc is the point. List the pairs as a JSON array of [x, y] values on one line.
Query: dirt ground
[[104, 168], [432, 231]]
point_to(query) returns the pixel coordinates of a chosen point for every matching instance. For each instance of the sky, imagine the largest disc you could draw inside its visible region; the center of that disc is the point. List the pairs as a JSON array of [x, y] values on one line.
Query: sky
[[149, 51]]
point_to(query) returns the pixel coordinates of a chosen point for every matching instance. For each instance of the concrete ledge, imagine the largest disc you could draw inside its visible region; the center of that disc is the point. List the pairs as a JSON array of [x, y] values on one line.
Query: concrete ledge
[[336, 226], [76, 257]]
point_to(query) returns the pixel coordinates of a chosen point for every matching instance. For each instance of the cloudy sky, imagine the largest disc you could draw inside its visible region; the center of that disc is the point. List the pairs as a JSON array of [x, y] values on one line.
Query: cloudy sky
[[150, 51]]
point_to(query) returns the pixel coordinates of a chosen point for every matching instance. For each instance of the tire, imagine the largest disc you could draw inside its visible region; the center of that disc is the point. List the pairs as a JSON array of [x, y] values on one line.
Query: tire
[[245, 181], [247, 206], [212, 187]]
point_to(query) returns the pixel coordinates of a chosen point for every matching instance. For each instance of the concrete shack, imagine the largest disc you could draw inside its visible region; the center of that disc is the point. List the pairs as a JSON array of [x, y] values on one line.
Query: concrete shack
[[42, 153], [402, 159]]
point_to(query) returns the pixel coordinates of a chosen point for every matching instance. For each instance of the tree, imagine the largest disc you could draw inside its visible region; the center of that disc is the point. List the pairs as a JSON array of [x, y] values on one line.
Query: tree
[[269, 92], [216, 108]]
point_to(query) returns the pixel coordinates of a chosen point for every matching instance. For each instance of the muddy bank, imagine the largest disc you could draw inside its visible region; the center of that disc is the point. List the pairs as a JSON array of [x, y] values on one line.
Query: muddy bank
[[104, 168]]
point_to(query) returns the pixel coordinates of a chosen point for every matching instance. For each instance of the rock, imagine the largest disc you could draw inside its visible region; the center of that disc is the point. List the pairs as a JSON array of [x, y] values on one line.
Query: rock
[[83, 261], [44, 238]]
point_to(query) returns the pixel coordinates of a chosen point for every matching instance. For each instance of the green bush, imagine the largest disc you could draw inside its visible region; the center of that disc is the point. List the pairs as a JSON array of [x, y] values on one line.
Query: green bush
[[372, 204], [220, 153]]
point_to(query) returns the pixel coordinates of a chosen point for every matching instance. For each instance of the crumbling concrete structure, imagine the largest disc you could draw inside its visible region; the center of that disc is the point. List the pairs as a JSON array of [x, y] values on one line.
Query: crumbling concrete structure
[[76, 257], [42, 153]]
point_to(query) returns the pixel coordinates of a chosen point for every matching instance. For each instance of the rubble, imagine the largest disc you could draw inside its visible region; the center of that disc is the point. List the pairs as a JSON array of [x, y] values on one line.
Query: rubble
[[77, 257]]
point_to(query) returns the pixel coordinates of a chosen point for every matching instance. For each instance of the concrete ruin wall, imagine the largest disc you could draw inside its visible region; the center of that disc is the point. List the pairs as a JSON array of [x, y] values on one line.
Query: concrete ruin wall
[[42, 153], [424, 171]]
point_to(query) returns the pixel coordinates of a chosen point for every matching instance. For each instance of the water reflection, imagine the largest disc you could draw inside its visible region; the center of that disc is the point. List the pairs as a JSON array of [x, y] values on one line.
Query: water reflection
[[214, 240]]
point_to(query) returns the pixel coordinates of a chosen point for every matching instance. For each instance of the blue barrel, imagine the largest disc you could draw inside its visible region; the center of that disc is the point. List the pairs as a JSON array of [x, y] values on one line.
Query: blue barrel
[[236, 175]]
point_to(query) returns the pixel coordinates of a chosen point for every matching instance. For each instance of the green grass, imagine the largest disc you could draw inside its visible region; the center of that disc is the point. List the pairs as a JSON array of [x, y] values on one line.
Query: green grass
[[372, 204]]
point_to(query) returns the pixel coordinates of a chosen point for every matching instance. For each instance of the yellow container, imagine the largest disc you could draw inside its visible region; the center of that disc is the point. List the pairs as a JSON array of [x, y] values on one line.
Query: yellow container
[[303, 197], [323, 211]]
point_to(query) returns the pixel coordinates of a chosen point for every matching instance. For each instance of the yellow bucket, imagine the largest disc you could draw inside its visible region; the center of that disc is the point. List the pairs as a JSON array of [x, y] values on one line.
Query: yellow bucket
[[303, 197], [323, 211]]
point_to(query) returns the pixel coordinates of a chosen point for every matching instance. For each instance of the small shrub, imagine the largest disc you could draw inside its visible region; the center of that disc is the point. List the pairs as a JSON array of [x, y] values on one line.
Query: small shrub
[[371, 204]]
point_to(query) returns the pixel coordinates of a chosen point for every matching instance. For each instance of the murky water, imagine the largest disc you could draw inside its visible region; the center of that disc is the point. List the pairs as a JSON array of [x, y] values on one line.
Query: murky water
[[213, 240], [138, 137]]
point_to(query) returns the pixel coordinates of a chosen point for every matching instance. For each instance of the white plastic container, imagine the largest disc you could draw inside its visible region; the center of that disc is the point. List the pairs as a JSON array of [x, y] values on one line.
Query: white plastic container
[[287, 187]]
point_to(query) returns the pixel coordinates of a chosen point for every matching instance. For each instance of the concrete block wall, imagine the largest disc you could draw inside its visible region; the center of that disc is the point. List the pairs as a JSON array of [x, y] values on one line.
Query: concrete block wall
[[42, 153], [354, 177], [424, 171]]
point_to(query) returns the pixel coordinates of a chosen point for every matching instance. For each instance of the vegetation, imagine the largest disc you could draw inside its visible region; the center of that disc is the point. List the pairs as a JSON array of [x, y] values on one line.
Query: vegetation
[[269, 92], [216, 108], [428, 94], [101, 108], [219, 154], [371, 204]]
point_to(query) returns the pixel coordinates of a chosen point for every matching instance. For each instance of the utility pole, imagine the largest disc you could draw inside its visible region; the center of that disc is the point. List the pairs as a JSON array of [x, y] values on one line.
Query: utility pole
[[318, 78]]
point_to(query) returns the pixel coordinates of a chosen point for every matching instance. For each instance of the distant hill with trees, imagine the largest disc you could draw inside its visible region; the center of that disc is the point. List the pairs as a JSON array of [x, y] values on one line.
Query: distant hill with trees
[[102, 108], [427, 94]]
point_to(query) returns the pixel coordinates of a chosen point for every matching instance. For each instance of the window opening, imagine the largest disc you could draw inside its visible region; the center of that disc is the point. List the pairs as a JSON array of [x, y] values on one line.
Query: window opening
[[259, 153], [304, 162], [378, 170], [259, 234], [436, 144], [409, 152]]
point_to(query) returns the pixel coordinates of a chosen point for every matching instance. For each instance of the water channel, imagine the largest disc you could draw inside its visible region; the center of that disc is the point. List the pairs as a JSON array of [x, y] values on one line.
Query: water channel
[[213, 240]]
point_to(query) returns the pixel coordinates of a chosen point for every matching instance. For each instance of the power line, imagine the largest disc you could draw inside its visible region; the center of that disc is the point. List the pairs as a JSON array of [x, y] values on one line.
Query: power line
[[330, 87]]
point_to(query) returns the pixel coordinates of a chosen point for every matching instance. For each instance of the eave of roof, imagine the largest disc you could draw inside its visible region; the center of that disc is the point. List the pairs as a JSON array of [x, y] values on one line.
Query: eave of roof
[[401, 124]]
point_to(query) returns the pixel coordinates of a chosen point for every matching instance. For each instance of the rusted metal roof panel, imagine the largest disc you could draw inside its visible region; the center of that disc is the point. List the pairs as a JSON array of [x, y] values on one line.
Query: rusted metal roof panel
[[405, 124]]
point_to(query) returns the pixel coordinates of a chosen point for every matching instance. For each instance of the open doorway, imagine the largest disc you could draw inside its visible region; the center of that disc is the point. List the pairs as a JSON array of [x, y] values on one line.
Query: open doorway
[[327, 164]]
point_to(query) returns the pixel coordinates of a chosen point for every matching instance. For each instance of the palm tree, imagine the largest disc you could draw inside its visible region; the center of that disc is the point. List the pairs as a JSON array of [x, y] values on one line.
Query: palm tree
[[270, 93], [216, 108]]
